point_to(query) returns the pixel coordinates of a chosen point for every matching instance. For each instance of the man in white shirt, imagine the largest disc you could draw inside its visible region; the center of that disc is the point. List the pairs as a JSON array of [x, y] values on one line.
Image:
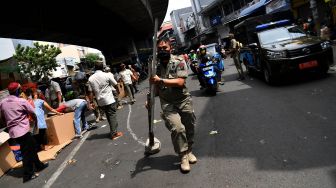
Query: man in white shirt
[[101, 85], [126, 76], [53, 93], [114, 90]]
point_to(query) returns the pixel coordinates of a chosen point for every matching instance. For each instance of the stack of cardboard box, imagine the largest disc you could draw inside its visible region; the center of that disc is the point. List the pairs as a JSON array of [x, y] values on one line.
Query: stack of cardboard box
[[60, 133], [60, 129], [7, 158]]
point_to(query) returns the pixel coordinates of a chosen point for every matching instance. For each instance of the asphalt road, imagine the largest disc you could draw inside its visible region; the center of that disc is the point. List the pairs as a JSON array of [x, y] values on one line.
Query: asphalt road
[[267, 136]]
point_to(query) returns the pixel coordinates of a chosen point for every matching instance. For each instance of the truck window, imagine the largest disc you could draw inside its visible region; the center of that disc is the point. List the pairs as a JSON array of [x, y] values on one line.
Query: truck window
[[282, 34]]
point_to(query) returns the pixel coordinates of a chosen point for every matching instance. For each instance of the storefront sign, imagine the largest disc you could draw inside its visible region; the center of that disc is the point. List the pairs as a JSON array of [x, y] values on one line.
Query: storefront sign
[[298, 3], [277, 5], [216, 20], [190, 22]]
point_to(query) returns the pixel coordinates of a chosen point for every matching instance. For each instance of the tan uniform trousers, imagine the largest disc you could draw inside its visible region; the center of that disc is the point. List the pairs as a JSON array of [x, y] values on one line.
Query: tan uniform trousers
[[238, 66], [180, 121]]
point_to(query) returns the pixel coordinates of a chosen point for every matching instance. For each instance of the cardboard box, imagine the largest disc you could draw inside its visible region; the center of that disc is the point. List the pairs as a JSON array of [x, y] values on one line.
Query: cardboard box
[[121, 90], [60, 129], [7, 158]]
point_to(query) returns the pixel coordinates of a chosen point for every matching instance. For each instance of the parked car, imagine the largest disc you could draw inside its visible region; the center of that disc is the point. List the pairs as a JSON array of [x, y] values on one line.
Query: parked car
[[280, 47]]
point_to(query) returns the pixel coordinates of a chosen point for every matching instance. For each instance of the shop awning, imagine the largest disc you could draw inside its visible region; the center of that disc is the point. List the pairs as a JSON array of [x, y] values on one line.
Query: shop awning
[[253, 7]]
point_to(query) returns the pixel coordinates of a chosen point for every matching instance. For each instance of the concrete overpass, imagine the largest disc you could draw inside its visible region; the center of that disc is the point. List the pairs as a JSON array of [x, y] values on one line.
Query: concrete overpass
[[108, 25]]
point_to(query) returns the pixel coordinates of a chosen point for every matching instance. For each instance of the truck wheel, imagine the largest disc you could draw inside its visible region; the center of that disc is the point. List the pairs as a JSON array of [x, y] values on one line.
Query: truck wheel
[[323, 70], [248, 69], [268, 76]]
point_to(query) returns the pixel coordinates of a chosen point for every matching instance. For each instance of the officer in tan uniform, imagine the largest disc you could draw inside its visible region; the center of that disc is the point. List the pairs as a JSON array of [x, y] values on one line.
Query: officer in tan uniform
[[176, 102], [234, 52]]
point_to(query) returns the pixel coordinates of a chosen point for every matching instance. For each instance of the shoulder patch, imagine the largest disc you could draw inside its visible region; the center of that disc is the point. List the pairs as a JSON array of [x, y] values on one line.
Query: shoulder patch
[[180, 57], [181, 65]]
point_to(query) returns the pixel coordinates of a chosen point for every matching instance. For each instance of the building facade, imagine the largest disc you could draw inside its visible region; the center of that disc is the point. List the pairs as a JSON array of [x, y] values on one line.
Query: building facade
[[215, 19], [183, 22]]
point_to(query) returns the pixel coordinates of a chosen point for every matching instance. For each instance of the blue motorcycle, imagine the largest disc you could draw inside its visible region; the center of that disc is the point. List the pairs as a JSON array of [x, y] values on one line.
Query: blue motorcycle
[[209, 76]]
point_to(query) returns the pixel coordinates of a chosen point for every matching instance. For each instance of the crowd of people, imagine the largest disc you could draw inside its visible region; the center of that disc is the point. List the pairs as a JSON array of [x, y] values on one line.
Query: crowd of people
[[99, 92], [25, 109], [327, 30]]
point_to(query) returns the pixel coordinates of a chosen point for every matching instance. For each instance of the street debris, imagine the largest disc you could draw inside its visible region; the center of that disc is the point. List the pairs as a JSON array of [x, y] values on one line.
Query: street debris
[[157, 121], [317, 91], [318, 115], [125, 143], [115, 144], [213, 132], [325, 137], [102, 176], [71, 161], [262, 141], [103, 126], [117, 162], [107, 161], [323, 117]]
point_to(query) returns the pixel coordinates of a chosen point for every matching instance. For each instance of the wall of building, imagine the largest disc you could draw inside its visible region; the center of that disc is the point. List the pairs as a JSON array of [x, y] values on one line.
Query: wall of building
[[179, 19]]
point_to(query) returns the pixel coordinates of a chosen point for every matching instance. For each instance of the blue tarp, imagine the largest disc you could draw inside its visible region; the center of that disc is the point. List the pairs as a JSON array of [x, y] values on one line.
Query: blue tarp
[[249, 10]]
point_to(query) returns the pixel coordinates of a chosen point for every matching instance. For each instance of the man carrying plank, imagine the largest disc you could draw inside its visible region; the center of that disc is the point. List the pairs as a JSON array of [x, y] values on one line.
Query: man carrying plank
[[176, 102]]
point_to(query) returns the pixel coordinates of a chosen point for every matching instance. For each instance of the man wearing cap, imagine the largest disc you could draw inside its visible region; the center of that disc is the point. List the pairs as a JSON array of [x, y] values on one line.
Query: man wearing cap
[[101, 84], [234, 52], [14, 111], [53, 93], [79, 106], [126, 76], [176, 102]]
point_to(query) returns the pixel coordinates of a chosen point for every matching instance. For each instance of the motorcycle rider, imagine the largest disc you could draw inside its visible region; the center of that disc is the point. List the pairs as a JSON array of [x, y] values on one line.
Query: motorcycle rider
[[192, 55], [218, 58], [193, 60], [202, 58]]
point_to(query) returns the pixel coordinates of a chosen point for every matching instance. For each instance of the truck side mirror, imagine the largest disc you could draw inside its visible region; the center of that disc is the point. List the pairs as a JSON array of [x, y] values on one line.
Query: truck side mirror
[[253, 45]]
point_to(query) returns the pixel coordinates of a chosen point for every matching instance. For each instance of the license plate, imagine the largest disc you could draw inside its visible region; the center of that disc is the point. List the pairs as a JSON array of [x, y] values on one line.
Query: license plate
[[206, 68], [308, 64]]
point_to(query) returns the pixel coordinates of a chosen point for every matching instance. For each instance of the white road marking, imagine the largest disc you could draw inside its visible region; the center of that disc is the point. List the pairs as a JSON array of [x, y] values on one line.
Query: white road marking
[[103, 126], [60, 169], [130, 129]]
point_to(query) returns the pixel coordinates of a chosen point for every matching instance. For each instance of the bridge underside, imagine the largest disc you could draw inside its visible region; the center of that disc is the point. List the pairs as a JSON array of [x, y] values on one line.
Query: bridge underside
[[108, 25]]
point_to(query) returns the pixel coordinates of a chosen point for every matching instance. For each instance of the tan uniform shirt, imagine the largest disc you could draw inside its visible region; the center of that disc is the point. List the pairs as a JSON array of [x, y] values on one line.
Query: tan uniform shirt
[[176, 68]]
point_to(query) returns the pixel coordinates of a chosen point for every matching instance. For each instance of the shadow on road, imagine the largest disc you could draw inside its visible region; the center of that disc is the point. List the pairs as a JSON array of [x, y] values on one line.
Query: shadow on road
[[163, 163], [16, 172], [279, 128], [100, 136]]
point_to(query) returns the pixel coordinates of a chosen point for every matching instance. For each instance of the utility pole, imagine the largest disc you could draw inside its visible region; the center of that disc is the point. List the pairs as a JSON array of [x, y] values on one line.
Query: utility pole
[[135, 51], [313, 7], [66, 67]]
